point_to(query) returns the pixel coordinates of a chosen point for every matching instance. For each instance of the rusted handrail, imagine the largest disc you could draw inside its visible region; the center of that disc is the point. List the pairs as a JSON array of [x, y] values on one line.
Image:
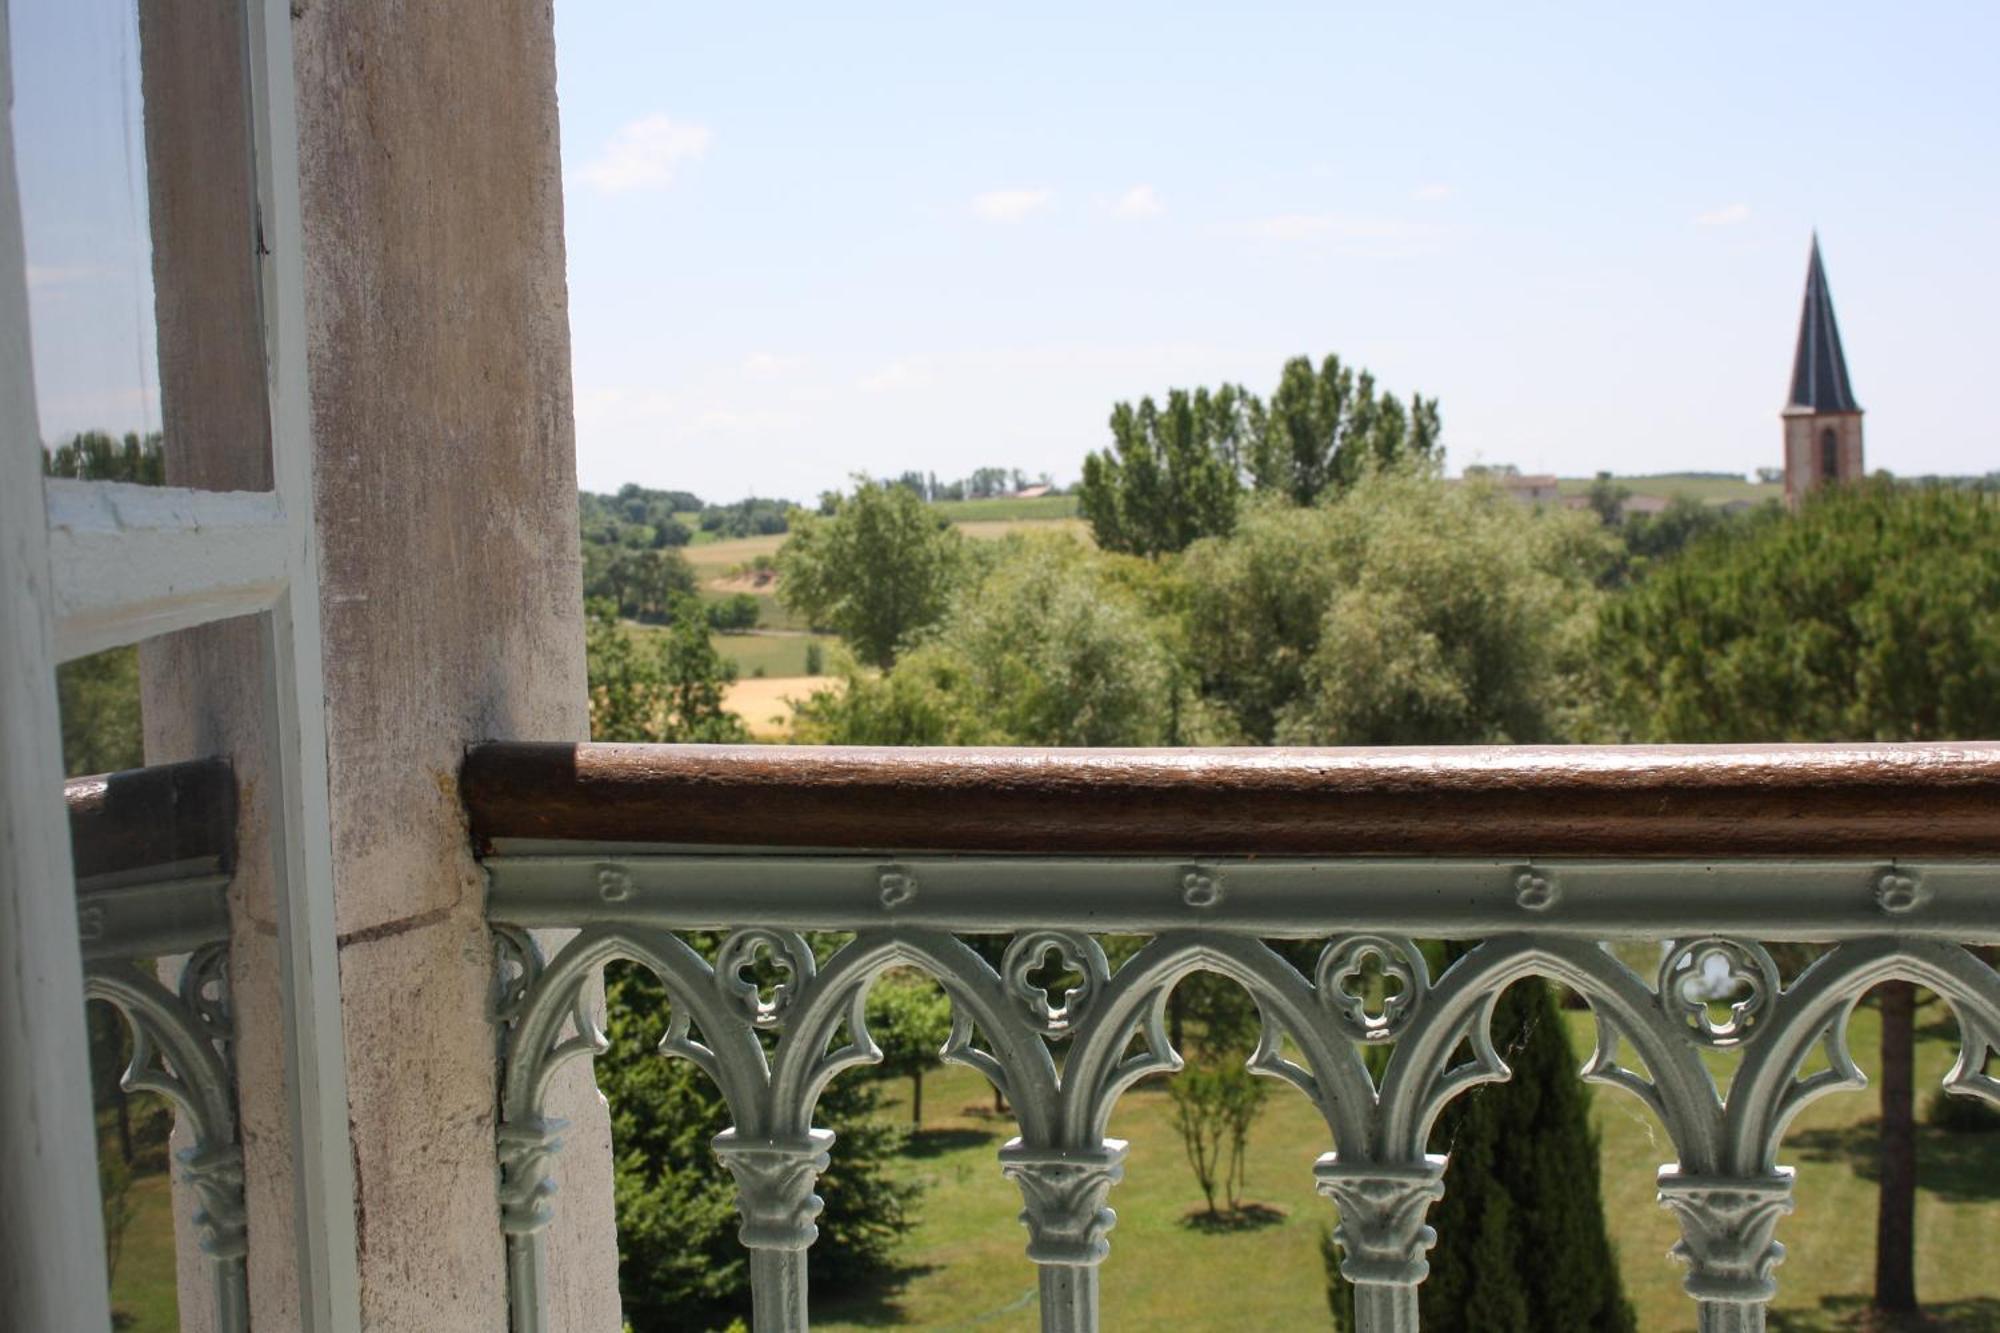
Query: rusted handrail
[[1929, 800], [143, 817]]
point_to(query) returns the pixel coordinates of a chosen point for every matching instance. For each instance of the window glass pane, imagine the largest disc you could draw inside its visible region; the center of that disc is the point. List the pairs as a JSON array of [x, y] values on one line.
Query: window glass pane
[[129, 133]]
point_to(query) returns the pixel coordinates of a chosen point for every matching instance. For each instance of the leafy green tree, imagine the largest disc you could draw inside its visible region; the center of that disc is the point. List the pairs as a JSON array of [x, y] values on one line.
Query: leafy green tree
[[1324, 428], [1521, 1239], [1175, 476], [1871, 615], [734, 613], [668, 687], [679, 1263], [1403, 611], [1171, 475], [910, 1018], [98, 697], [879, 571], [1046, 649], [1214, 1103]]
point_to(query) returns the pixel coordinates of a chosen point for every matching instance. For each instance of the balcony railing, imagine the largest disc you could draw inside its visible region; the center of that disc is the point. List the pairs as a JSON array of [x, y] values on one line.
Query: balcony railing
[[153, 849], [1884, 855]]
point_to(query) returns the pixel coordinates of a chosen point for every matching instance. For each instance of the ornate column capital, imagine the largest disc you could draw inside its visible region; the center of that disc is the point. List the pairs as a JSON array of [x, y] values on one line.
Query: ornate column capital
[[774, 1186], [1382, 1234], [1064, 1190], [526, 1152], [1726, 1228], [216, 1176]]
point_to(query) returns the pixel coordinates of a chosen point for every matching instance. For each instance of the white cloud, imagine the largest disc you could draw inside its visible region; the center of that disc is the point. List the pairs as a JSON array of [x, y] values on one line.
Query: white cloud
[[1436, 192], [1729, 215], [1010, 205], [1141, 201], [898, 374], [646, 153]]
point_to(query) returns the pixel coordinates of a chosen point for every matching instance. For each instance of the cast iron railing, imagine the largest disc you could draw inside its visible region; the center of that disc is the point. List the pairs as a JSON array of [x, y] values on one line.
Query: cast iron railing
[[1884, 856], [153, 849]]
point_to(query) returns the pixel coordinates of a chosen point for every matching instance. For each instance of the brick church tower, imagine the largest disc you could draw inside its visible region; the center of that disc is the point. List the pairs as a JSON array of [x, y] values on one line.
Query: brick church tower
[[1822, 420]]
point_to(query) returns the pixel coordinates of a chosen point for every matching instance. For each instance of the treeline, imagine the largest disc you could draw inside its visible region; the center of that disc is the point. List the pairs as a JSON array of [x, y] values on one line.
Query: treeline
[[631, 550], [1178, 472], [94, 455], [654, 520], [983, 483]]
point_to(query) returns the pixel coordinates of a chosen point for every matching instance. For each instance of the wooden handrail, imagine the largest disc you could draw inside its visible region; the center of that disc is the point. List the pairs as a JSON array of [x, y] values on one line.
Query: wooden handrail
[[1820, 801], [161, 815]]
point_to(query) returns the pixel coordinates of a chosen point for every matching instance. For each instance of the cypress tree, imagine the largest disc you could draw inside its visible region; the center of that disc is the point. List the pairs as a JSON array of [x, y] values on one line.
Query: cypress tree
[[1521, 1239]]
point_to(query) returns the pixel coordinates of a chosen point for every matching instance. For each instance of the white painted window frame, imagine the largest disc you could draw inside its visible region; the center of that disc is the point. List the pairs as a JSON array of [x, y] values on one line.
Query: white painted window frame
[[86, 566]]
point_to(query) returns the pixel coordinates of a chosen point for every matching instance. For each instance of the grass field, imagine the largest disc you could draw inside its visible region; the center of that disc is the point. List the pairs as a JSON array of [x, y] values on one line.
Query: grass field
[[964, 1267], [979, 511], [766, 705], [143, 1299], [775, 655], [715, 559]]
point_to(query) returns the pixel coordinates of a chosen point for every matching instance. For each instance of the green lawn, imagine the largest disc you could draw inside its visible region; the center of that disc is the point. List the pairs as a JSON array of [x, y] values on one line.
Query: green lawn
[[964, 1265], [975, 511], [779, 655], [143, 1298]]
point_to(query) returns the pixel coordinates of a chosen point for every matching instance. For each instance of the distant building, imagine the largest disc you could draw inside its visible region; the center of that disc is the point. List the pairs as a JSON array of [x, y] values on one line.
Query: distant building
[[1529, 490], [1032, 492], [1822, 420]]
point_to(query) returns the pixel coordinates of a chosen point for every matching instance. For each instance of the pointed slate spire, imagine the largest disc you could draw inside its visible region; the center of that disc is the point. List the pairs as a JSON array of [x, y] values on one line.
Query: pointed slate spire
[[1819, 370]]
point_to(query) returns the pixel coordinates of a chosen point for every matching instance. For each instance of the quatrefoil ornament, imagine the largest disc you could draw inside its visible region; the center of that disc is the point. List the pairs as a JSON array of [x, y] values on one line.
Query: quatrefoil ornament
[[1704, 973], [741, 951], [1076, 953], [1347, 961]]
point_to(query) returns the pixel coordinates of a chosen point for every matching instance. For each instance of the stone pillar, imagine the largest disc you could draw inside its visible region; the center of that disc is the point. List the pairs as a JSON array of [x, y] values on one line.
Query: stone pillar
[[445, 516]]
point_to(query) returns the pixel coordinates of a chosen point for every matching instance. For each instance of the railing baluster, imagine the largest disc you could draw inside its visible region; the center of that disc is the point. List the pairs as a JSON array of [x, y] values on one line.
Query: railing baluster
[[1726, 1241], [1383, 1235], [774, 1194], [1064, 1191]]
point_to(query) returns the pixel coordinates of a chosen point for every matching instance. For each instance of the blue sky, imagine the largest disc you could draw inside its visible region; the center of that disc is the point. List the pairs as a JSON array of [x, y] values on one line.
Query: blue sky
[[891, 236], [808, 240]]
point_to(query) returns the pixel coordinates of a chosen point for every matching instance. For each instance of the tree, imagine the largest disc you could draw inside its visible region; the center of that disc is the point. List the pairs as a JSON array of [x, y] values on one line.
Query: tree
[[640, 582], [1171, 475], [733, 613], [910, 1019], [98, 698], [1046, 649], [877, 572], [1215, 1102], [1325, 427], [1401, 612], [1521, 1238], [680, 1265], [669, 688], [1872, 614]]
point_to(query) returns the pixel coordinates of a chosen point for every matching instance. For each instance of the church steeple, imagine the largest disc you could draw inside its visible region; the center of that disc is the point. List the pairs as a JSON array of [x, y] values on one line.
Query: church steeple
[[1822, 420], [1819, 370]]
